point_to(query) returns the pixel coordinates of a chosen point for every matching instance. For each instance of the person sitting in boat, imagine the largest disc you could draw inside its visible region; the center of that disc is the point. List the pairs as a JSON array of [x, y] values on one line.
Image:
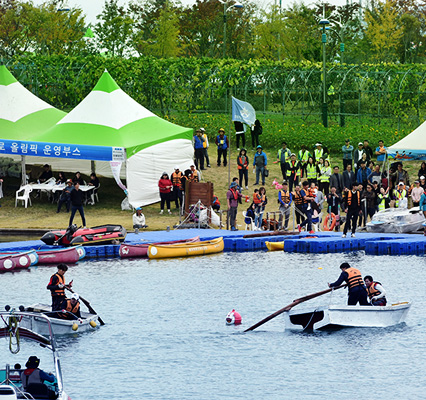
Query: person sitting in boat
[[353, 278], [139, 219], [32, 377], [71, 305], [375, 292], [57, 287]]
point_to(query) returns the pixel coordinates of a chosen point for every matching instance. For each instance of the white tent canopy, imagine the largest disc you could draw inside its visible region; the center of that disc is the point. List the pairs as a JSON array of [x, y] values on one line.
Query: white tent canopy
[[412, 147]]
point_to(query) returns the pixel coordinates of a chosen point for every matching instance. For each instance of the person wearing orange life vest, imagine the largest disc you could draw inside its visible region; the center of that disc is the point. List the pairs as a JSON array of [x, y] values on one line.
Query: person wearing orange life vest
[[357, 293], [375, 291], [71, 305], [243, 163], [352, 207], [285, 199], [176, 179], [57, 287], [215, 203]]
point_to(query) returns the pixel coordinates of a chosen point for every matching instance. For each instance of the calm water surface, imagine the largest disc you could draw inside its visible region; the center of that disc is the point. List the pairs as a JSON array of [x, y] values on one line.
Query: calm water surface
[[166, 337]]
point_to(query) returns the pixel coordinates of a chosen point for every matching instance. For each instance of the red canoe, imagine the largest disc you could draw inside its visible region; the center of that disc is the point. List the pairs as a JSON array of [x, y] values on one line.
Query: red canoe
[[69, 255], [141, 249]]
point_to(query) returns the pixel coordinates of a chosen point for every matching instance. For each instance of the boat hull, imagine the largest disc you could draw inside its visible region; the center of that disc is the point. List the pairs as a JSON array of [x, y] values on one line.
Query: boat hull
[[141, 249], [14, 261], [274, 246], [59, 326], [104, 234], [57, 256], [186, 249], [331, 317]]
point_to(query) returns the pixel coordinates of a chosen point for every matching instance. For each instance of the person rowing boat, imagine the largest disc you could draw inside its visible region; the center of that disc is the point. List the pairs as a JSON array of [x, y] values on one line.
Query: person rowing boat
[[357, 292], [57, 287]]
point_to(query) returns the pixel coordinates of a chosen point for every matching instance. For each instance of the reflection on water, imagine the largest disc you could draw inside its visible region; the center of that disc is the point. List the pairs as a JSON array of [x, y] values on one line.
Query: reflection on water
[[165, 335]]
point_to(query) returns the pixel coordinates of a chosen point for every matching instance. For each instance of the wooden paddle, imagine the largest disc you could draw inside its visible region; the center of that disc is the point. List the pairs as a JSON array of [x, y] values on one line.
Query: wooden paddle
[[290, 306], [87, 305]]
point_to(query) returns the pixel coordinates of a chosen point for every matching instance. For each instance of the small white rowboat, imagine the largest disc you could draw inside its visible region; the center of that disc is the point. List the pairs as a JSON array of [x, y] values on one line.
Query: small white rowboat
[[35, 323], [332, 317]]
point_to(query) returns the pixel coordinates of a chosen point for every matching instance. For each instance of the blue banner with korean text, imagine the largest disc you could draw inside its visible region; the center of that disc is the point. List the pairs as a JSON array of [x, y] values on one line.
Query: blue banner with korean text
[[60, 150]]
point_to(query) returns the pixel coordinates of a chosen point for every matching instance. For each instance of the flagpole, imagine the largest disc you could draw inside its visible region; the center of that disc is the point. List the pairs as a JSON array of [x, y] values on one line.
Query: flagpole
[[229, 138]]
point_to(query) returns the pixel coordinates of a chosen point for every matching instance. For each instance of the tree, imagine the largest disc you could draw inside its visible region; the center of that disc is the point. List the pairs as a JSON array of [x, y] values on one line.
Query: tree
[[165, 41], [115, 29], [384, 31]]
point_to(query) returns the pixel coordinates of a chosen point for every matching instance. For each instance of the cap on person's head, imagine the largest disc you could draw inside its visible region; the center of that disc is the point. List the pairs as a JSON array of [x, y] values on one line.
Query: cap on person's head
[[293, 154], [63, 267], [360, 144], [192, 165], [422, 177], [138, 208], [259, 147], [164, 173], [75, 296], [221, 130], [318, 144], [33, 362], [202, 129], [347, 140], [416, 182], [233, 184], [176, 167], [344, 265], [69, 180], [401, 184]]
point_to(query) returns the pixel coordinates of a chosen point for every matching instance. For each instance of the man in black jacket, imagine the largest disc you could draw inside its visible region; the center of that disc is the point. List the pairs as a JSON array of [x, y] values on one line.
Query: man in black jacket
[[336, 180], [348, 177], [352, 205], [77, 198]]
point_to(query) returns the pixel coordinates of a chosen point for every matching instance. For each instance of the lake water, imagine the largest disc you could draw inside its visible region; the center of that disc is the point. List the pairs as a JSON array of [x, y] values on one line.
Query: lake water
[[165, 335]]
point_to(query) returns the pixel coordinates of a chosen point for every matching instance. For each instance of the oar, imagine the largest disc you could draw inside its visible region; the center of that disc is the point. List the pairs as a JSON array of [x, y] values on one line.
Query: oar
[[87, 305], [290, 306]]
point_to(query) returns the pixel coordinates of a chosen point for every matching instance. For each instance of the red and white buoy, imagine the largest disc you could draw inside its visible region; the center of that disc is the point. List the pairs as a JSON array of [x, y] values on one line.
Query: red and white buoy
[[233, 318]]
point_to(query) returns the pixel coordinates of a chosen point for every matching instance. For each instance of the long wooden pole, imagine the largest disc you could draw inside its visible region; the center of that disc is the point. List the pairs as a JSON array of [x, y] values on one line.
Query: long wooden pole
[[290, 306]]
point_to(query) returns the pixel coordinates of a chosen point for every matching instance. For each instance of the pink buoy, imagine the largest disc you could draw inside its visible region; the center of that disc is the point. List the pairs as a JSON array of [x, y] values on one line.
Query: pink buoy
[[233, 318]]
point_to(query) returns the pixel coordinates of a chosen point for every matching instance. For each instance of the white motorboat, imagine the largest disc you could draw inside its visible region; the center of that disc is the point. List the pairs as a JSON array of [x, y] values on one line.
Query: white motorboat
[[10, 377], [35, 321], [397, 220], [332, 317]]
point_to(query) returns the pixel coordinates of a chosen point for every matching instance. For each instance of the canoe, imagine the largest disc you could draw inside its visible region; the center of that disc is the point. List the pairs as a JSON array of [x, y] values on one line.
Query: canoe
[[274, 246], [14, 261], [69, 255], [334, 317], [37, 323], [186, 249], [141, 249]]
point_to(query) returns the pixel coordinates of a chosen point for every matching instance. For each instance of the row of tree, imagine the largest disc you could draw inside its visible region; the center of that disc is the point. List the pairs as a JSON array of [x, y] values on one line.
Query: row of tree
[[384, 31]]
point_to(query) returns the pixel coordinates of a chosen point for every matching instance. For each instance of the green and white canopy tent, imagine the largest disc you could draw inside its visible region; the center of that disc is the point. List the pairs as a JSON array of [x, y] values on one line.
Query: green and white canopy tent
[[109, 126]]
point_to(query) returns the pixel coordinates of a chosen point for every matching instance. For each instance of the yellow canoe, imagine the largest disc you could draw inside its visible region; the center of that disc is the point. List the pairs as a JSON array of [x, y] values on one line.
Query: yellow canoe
[[275, 246], [186, 249]]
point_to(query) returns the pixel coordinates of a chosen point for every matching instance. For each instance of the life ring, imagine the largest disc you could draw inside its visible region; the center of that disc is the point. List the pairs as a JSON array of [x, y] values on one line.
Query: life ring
[[333, 222]]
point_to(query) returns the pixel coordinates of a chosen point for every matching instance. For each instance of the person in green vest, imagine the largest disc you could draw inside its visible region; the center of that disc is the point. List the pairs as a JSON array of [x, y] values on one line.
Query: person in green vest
[[293, 169], [311, 171], [400, 195], [302, 157], [383, 199], [319, 153], [283, 157], [324, 173]]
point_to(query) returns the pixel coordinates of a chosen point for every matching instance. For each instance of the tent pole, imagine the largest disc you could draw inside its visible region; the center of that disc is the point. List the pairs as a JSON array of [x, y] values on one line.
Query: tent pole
[[23, 170], [93, 166], [229, 138]]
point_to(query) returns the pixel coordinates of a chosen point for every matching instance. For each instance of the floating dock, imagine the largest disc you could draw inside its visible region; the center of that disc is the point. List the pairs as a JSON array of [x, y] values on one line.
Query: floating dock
[[320, 242]]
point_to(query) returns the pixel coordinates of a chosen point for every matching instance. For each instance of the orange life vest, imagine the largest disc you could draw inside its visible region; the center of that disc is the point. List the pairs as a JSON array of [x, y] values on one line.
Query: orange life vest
[[257, 198], [176, 178], [372, 291], [298, 199], [241, 164], [194, 176], [58, 292], [354, 277], [285, 196], [70, 307], [350, 197]]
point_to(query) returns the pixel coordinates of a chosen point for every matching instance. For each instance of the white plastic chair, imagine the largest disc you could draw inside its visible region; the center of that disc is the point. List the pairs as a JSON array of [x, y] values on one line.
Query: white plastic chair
[[24, 196], [248, 226]]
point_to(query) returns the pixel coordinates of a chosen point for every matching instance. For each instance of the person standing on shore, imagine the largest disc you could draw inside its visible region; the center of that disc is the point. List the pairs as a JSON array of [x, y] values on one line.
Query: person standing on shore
[[347, 150], [243, 163], [232, 196], [77, 199]]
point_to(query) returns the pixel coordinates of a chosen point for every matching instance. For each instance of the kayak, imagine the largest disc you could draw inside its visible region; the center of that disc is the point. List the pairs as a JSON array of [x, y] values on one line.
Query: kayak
[[38, 324], [57, 256], [141, 249], [274, 246], [104, 234], [14, 261], [332, 317], [186, 249]]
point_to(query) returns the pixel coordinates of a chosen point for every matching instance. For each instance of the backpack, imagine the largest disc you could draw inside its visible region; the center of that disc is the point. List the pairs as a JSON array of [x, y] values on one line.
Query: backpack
[[260, 130]]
